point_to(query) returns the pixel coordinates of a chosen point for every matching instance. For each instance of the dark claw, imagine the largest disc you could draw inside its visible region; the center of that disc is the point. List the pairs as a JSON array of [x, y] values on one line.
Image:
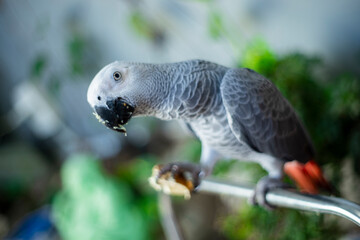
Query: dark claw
[[181, 168], [262, 187]]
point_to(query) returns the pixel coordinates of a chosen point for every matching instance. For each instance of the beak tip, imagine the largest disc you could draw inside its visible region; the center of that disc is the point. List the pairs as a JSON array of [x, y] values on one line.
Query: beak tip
[[116, 114]]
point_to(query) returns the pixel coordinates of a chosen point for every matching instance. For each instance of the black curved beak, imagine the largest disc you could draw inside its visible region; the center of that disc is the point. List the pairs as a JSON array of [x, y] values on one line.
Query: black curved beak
[[117, 113]]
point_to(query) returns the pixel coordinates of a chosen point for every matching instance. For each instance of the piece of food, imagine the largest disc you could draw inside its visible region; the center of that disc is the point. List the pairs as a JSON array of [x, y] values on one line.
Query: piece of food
[[118, 128], [176, 185]]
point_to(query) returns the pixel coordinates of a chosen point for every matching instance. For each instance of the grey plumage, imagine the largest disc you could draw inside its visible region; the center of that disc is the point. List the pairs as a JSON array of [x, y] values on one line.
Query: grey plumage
[[265, 119], [236, 113]]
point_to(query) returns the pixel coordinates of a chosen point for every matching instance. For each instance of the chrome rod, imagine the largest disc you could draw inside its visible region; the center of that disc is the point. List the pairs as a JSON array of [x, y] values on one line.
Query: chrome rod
[[288, 199], [170, 225]]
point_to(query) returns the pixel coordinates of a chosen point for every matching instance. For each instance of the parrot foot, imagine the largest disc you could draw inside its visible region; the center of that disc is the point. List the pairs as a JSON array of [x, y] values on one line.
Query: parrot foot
[[262, 187], [190, 170]]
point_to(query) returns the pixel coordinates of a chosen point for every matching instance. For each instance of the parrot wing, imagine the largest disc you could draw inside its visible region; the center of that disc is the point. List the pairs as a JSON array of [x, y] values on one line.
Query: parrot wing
[[259, 115]]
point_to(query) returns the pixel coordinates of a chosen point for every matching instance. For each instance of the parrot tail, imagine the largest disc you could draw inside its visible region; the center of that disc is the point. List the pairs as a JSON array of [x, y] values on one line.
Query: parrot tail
[[308, 176]]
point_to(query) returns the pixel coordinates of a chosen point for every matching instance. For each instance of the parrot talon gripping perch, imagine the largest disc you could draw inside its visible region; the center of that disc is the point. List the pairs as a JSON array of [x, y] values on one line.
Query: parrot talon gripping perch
[[265, 185]]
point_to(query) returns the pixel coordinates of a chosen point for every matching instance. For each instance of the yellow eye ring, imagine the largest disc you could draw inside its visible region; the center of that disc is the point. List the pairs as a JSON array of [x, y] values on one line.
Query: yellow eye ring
[[117, 76]]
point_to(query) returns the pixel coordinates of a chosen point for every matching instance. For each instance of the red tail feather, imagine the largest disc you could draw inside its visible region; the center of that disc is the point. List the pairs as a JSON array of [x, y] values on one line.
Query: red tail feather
[[308, 176]]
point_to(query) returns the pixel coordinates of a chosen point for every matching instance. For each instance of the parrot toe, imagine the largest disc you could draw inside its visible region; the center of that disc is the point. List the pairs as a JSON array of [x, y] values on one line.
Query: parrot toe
[[262, 187], [189, 170]]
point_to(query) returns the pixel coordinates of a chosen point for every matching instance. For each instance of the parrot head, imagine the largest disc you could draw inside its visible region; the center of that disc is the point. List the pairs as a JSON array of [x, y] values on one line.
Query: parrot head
[[110, 95]]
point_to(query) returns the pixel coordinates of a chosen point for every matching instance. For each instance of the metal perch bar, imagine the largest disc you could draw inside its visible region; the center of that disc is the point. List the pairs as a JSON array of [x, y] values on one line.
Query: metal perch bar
[[170, 225], [288, 199]]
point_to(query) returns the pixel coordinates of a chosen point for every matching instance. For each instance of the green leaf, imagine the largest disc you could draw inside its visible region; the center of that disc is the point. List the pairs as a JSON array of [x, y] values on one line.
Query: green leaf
[[140, 25], [259, 57], [76, 48], [215, 25], [38, 66], [93, 205]]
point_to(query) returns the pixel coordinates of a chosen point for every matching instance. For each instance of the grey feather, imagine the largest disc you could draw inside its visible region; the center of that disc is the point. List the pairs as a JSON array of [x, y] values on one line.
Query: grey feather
[[259, 115]]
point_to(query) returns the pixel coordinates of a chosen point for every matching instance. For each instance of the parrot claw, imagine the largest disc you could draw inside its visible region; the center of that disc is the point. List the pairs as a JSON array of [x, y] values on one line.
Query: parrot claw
[[262, 187], [190, 170]]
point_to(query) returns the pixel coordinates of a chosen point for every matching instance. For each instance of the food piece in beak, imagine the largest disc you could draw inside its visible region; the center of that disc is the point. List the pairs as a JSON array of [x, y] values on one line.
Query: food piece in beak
[[118, 128]]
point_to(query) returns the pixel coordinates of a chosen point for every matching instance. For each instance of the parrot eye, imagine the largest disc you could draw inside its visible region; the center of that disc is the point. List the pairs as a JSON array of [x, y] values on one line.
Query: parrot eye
[[117, 76]]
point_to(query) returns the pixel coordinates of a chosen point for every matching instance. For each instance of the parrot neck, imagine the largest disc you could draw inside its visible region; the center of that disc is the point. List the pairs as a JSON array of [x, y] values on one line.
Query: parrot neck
[[186, 90]]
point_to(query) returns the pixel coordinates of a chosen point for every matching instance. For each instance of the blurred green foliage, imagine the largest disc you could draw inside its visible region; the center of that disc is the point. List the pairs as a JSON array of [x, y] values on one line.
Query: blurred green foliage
[[215, 25], [260, 224], [38, 66], [135, 174], [347, 94], [259, 57], [145, 27], [93, 205], [140, 25], [76, 49], [82, 51]]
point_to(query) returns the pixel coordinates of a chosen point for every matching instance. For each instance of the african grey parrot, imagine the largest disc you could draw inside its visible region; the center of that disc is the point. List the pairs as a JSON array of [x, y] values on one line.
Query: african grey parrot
[[235, 112]]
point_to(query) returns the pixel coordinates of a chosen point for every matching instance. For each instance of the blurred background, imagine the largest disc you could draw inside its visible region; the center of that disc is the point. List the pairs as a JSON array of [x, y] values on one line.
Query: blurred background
[[65, 176]]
